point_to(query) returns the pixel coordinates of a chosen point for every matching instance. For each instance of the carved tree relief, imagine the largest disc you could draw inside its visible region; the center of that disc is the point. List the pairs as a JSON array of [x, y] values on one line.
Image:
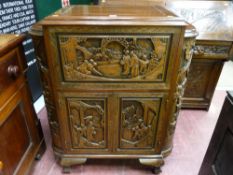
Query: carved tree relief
[[87, 120], [113, 58], [138, 123]]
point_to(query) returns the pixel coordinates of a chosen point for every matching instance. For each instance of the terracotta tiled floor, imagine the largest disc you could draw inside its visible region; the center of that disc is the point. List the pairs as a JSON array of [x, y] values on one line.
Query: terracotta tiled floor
[[193, 133]]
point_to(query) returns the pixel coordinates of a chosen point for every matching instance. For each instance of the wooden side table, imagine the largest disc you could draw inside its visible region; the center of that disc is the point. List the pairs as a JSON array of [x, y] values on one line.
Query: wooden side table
[[21, 137]]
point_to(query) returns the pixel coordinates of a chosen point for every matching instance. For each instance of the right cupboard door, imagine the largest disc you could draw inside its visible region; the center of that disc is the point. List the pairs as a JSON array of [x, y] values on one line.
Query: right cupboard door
[[139, 118]]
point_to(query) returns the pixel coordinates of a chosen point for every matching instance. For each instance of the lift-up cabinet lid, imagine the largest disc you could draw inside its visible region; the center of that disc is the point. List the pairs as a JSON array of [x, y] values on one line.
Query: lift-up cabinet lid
[[114, 15]]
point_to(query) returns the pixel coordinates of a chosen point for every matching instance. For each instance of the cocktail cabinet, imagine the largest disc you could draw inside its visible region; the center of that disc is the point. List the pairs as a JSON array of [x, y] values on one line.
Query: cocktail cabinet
[[113, 80]]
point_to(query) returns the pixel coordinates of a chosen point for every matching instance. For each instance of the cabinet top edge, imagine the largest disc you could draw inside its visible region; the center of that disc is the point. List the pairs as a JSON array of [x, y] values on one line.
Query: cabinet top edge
[[114, 15], [8, 41]]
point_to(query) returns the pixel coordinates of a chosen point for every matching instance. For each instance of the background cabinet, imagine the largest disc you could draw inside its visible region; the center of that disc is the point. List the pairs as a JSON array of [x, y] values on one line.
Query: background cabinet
[[213, 44], [213, 47], [219, 156]]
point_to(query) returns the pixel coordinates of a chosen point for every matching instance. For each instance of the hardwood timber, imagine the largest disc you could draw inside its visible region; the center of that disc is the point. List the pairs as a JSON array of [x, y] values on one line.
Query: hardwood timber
[[21, 137], [113, 79], [219, 155]]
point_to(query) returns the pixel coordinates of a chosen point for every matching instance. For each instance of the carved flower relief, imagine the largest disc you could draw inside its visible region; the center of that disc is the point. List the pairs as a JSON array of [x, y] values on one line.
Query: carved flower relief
[[112, 57]]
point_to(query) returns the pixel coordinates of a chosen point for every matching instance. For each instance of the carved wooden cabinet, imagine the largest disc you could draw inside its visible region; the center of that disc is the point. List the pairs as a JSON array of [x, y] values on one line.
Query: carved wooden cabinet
[[213, 21], [21, 137], [113, 79]]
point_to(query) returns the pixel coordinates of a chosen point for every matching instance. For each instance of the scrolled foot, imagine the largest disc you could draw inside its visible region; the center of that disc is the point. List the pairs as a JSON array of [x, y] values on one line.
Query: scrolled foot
[[66, 169], [41, 150], [67, 162], [156, 163], [38, 156], [156, 170]]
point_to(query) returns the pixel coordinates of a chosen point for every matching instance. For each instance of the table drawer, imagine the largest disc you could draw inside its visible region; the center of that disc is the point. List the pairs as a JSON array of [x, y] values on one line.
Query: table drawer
[[10, 69]]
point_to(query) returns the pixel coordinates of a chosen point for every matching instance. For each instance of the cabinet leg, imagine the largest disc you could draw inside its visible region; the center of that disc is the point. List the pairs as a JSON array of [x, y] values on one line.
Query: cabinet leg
[[38, 156], [156, 170], [41, 150], [156, 163], [67, 162], [66, 169]]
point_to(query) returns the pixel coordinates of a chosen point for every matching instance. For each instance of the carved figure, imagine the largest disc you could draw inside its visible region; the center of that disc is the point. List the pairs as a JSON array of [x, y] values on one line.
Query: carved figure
[[143, 67], [88, 67], [91, 131], [82, 130], [134, 64], [152, 64], [140, 130], [128, 116], [138, 119], [126, 63], [87, 54], [87, 124]]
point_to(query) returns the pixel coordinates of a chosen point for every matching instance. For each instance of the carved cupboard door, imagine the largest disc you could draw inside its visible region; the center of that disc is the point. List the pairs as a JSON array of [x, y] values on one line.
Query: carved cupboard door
[[139, 121], [112, 122], [87, 122]]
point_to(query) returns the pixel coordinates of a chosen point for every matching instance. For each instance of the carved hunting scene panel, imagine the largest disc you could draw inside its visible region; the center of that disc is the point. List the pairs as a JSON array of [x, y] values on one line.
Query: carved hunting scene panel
[[114, 58]]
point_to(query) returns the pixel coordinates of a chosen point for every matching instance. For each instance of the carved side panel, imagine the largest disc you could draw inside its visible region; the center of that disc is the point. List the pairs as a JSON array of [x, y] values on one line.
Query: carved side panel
[[115, 58], [87, 122], [177, 100], [198, 78], [47, 89], [138, 122]]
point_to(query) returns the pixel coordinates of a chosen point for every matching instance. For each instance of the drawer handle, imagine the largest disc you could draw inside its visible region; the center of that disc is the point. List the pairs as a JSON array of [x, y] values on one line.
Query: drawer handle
[[1, 166], [13, 70]]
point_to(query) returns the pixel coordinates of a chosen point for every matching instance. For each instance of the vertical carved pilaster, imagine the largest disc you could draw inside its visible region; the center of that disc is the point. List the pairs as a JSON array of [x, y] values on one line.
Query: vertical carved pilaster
[[38, 42], [181, 81]]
